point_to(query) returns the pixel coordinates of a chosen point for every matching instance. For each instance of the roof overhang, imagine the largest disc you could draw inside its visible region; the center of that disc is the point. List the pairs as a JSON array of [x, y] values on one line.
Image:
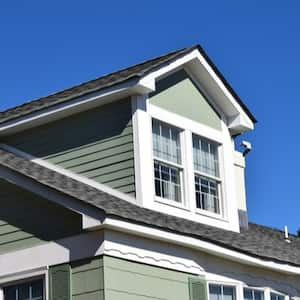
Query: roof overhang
[[76, 105], [219, 92]]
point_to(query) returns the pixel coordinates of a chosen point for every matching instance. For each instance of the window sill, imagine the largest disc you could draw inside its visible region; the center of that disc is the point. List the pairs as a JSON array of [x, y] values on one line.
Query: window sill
[[171, 203], [210, 215]]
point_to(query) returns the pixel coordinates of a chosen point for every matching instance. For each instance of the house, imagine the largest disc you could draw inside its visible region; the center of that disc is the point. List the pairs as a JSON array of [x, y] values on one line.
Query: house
[[129, 187]]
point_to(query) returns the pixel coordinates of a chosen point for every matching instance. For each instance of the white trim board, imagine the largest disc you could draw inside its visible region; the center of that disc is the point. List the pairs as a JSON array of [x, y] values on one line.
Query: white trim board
[[51, 253], [77, 104]]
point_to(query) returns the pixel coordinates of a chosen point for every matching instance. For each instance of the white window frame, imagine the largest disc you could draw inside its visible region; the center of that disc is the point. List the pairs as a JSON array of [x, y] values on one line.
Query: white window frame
[[187, 129], [26, 277], [260, 289], [219, 179], [285, 297], [226, 284], [181, 167]]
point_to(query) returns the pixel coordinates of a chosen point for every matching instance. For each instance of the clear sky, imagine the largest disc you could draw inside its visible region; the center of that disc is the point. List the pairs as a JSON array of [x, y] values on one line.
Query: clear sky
[[46, 46]]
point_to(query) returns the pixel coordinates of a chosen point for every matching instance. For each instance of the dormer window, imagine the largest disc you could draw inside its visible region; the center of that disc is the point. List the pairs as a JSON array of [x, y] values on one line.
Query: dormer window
[[170, 167], [167, 161], [207, 174]]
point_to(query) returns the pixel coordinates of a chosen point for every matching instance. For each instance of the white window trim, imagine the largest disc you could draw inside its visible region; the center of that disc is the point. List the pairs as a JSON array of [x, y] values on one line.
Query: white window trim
[[188, 128], [264, 290], [28, 276], [219, 179], [143, 112], [181, 167], [224, 283]]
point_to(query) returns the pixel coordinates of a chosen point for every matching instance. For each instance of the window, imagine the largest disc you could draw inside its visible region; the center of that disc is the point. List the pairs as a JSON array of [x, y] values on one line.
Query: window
[[275, 296], [221, 292], [252, 294], [33, 290], [207, 174], [167, 161]]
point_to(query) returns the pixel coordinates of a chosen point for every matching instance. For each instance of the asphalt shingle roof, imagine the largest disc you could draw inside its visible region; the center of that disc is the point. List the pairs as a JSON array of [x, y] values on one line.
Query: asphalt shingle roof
[[136, 71], [258, 241]]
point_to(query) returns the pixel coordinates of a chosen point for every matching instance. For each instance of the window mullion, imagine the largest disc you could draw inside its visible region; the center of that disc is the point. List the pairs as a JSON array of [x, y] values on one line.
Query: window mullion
[[189, 170]]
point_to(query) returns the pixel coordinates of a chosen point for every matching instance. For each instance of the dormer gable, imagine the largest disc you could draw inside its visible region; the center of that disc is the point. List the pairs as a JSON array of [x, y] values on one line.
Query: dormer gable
[[106, 135], [179, 94]]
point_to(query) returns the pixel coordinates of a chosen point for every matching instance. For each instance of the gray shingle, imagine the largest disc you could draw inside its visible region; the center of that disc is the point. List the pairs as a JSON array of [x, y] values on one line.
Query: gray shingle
[[258, 241], [136, 71]]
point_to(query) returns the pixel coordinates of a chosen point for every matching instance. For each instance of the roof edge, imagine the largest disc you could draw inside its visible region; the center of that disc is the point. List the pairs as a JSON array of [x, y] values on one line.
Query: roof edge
[[110, 80]]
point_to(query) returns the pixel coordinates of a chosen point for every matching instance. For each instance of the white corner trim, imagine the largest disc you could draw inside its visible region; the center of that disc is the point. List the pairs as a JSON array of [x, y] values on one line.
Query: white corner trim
[[92, 183], [141, 123], [198, 244]]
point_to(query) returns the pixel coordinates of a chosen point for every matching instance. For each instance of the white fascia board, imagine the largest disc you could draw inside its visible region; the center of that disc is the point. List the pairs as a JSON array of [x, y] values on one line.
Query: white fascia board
[[241, 122], [61, 251], [197, 244], [78, 104]]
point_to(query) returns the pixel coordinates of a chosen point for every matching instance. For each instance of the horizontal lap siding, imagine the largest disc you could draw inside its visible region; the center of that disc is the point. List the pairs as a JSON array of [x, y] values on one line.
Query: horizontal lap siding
[[87, 280], [97, 144], [24, 223], [132, 281]]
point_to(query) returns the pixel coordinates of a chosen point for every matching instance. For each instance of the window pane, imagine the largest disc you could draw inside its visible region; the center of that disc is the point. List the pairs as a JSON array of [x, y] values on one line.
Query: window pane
[[37, 290], [10, 293], [228, 293], [205, 156], [275, 296], [215, 292], [221, 292], [258, 295], [207, 194], [248, 295], [166, 142], [25, 291], [167, 181], [252, 294]]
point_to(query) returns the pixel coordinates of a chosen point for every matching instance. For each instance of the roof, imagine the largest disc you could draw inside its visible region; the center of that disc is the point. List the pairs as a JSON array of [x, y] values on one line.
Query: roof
[[134, 72], [258, 241]]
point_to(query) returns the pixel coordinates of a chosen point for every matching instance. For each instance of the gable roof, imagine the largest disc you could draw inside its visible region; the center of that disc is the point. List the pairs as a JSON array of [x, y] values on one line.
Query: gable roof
[[137, 71], [258, 241]]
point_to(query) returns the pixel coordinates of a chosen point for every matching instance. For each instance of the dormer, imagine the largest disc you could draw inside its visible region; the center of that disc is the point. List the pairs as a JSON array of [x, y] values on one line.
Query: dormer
[[159, 134]]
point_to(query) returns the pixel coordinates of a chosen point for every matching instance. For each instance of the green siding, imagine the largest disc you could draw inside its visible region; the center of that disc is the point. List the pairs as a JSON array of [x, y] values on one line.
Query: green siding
[[178, 94], [127, 280], [97, 144], [27, 219], [87, 280]]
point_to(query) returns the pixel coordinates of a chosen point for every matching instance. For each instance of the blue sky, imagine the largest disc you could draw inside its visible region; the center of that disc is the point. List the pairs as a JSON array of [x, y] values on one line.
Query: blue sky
[[46, 46]]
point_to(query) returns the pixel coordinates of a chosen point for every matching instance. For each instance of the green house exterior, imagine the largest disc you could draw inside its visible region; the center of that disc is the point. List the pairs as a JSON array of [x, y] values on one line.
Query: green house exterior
[[111, 278], [96, 204], [97, 144]]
